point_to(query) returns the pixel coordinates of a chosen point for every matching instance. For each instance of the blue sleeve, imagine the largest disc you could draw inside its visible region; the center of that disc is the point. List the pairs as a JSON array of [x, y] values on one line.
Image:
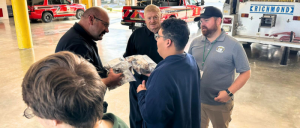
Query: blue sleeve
[[156, 103]]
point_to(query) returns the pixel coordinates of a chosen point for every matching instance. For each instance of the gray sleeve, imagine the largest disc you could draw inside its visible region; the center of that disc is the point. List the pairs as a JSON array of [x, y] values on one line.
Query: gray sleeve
[[240, 59]]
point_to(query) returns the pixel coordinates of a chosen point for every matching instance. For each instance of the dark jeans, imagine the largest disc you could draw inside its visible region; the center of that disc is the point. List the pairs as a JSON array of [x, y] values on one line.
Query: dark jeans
[[136, 120]]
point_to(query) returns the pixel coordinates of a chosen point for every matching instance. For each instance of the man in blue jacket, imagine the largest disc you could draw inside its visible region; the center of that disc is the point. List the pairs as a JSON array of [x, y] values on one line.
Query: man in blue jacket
[[171, 96]]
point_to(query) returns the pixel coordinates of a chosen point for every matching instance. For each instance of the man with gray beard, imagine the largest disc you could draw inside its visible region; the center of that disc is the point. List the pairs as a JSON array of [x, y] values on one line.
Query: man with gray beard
[[218, 57]]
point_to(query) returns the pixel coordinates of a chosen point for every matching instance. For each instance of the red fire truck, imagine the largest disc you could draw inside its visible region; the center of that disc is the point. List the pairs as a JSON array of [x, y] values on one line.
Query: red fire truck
[[49, 9], [133, 16]]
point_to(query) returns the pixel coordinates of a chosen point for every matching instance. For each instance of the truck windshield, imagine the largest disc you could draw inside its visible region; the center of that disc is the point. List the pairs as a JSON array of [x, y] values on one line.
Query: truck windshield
[[65, 2], [35, 2], [160, 2], [191, 2]]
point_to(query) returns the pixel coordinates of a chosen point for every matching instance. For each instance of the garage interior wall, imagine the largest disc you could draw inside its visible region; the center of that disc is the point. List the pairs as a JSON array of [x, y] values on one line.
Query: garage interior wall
[[3, 6]]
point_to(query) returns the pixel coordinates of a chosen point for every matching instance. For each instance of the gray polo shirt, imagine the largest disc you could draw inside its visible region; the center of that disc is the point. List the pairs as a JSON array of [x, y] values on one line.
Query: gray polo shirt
[[227, 55]]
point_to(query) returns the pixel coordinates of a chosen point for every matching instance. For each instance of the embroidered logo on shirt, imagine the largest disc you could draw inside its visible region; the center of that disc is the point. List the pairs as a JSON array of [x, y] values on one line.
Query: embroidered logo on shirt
[[220, 49]]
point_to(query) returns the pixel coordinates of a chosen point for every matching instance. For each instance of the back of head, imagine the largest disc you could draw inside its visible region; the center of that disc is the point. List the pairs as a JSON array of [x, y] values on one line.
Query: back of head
[[152, 8], [64, 87], [177, 30]]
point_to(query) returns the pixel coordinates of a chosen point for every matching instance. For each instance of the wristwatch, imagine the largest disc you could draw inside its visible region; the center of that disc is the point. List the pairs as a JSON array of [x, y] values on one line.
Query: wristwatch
[[229, 93]]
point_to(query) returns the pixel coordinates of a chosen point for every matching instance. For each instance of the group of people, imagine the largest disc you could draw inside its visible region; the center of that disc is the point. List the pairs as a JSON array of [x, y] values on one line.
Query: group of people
[[186, 90]]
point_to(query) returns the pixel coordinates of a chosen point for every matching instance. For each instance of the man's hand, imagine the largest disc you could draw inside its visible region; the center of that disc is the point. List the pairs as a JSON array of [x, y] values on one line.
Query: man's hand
[[222, 97], [141, 87], [113, 79]]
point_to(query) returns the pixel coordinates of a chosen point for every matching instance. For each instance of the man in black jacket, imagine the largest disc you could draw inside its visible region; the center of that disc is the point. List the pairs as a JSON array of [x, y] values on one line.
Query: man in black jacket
[[142, 42], [80, 39]]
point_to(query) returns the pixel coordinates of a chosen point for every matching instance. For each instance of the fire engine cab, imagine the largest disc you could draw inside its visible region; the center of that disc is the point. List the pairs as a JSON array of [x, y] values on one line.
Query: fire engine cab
[[273, 22], [49, 9], [133, 16]]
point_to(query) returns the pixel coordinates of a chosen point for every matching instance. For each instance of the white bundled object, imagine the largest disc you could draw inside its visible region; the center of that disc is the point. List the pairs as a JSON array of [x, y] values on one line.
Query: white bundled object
[[119, 65], [142, 64]]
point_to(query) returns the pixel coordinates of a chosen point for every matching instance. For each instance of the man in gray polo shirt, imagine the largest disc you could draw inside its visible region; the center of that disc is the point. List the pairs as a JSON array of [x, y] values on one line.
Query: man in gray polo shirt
[[218, 57]]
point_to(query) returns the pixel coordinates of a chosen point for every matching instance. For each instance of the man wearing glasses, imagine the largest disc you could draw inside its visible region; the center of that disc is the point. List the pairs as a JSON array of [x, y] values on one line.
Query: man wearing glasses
[[142, 42], [81, 38], [218, 56], [171, 96]]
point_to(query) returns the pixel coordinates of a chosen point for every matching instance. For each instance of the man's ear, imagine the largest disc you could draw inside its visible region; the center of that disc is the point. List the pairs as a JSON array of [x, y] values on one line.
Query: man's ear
[[90, 20], [169, 42], [56, 122], [220, 20]]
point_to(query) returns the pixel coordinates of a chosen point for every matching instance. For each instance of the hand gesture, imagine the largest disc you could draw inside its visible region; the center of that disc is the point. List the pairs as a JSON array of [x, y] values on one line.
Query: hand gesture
[[113, 80], [222, 97], [141, 87]]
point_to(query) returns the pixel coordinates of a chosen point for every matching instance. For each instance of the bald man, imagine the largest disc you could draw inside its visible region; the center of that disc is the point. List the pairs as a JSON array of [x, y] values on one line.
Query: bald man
[[80, 39]]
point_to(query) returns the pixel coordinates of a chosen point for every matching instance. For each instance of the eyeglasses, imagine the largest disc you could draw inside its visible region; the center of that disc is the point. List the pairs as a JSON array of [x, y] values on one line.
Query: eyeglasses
[[28, 113], [103, 22], [156, 36]]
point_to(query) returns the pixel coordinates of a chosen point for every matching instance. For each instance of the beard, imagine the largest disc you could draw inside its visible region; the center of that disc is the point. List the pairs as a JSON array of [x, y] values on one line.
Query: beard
[[208, 32]]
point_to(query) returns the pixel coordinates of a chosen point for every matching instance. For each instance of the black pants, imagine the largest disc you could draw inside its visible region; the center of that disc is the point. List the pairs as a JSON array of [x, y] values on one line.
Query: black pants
[[135, 116]]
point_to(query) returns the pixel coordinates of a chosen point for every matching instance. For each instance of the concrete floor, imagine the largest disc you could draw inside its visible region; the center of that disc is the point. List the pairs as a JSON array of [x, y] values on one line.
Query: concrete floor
[[270, 99]]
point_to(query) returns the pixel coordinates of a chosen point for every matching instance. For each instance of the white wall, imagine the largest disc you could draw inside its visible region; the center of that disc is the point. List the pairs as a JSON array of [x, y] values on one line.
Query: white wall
[[3, 5]]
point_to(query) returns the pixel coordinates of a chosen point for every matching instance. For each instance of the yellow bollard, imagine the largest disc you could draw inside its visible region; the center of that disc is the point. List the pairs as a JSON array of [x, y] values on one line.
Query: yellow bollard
[[87, 3], [27, 58], [22, 24]]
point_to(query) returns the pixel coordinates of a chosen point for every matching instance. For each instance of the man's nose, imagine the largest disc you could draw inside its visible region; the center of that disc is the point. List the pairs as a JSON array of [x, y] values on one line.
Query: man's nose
[[152, 20], [106, 30]]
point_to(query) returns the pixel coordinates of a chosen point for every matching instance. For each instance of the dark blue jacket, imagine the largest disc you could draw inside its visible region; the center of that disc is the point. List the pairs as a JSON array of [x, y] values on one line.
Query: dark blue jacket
[[172, 98]]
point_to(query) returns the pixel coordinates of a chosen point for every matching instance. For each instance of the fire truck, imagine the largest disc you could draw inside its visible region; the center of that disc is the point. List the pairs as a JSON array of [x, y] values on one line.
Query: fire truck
[[49, 9], [272, 22], [133, 16]]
